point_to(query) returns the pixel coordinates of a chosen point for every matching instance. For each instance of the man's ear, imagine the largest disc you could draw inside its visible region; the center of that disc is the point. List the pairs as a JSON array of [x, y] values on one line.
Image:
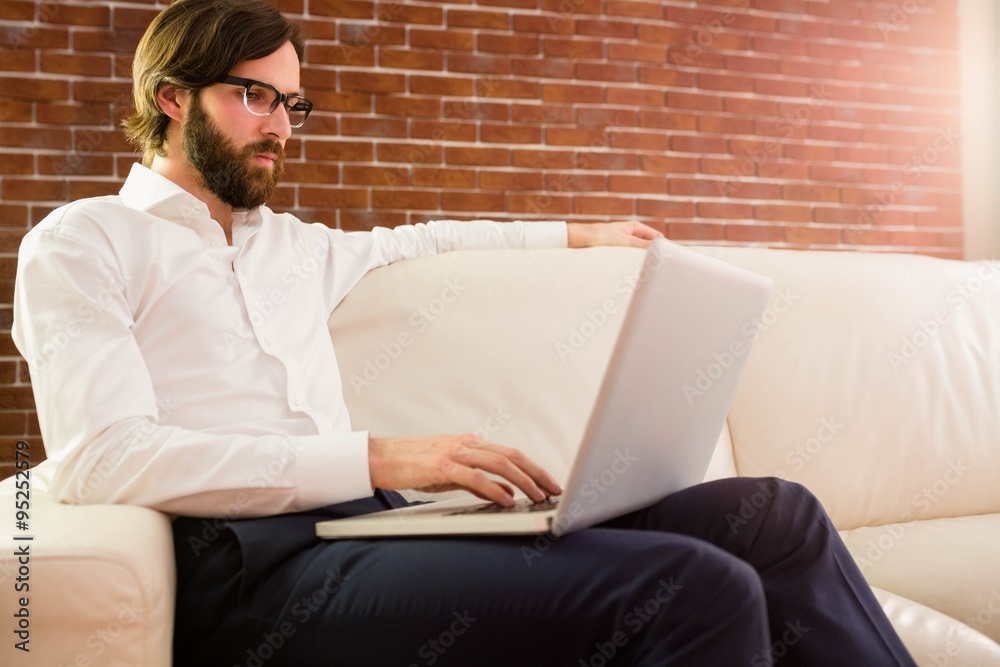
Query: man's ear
[[172, 100]]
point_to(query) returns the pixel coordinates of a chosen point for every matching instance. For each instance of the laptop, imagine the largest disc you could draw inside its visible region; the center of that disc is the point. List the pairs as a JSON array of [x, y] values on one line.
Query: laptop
[[672, 375]]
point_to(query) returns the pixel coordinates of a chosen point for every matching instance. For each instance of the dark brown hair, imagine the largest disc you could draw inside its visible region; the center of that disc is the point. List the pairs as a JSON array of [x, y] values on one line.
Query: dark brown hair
[[192, 44]]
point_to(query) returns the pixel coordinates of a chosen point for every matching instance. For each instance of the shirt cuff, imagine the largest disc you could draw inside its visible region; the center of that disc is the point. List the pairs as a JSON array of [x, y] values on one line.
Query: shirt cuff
[[545, 235], [332, 469]]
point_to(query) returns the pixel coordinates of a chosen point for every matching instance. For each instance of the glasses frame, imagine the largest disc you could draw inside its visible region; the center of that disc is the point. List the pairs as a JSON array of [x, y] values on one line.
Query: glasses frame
[[286, 100]]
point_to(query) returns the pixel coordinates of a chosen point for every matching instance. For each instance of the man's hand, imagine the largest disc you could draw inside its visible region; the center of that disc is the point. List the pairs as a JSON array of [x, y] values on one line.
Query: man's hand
[[628, 233], [452, 462]]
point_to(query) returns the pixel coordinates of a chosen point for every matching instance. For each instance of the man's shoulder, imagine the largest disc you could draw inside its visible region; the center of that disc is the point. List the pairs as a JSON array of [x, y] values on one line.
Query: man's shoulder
[[81, 215]]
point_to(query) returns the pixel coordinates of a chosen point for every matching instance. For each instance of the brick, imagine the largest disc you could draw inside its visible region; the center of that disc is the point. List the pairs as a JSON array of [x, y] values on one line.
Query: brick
[[312, 172], [460, 62], [653, 53], [430, 177], [24, 88], [448, 40], [373, 127], [339, 151], [809, 192], [16, 398], [476, 110], [510, 180], [557, 92], [574, 182], [24, 137], [576, 6], [782, 213], [412, 153], [400, 12], [356, 174], [604, 117], [472, 201], [638, 184], [372, 82], [133, 17], [652, 10], [653, 141], [508, 89], [812, 235], [340, 54], [547, 68], [606, 72], [695, 231], [448, 86], [82, 64], [543, 159], [406, 59], [17, 10], [607, 161], [697, 144], [369, 34], [113, 41], [519, 44], [76, 164], [112, 92], [18, 111], [725, 125], [17, 60], [753, 233], [633, 96], [33, 37], [552, 114], [575, 137], [724, 211], [665, 208], [550, 24], [330, 197], [667, 120], [708, 81], [606, 28], [701, 102], [14, 215], [544, 204], [462, 18], [575, 48], [497, 157], [17, 163], [598, 205], [408, 106], [668, 163], [510, 134], [353, 9], [454, 130]]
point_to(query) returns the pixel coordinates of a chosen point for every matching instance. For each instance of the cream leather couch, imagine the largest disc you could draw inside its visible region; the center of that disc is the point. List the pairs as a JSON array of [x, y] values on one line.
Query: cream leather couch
[[875, 381]]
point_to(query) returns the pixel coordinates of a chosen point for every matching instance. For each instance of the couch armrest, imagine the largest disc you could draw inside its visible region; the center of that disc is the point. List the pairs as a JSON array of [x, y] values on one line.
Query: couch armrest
[[102, 582]]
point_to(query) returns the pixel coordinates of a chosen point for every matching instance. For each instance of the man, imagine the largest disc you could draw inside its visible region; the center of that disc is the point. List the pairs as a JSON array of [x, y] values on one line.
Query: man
[[157, 383]]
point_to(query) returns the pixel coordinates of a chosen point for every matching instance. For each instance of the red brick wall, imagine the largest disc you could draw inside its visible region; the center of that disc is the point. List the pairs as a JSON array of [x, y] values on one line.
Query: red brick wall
[[789, 123]]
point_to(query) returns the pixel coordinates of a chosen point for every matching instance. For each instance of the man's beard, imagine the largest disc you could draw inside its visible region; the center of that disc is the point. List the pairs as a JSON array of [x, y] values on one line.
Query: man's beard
[[225, 170]]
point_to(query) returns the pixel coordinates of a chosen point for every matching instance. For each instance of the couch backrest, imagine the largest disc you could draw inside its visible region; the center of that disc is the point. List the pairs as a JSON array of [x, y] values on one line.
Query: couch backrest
[[513, 345], [876, 382], [509, 344]]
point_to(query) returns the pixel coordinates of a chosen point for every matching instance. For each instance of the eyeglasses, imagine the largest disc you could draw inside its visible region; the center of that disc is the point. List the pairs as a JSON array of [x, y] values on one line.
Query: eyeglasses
[[261, 99]]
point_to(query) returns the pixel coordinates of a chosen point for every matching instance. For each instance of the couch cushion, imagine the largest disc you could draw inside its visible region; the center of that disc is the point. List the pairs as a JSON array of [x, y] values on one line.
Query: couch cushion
[[102, 582], [511, 345], [947, 564], [875, 382]]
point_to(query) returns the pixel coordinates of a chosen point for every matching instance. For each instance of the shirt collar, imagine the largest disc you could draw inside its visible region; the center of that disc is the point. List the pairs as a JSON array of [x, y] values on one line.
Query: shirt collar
[[147, 191]]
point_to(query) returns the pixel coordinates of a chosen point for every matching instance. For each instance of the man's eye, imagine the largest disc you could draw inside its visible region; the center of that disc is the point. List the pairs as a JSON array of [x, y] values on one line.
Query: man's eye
[[252, 95]]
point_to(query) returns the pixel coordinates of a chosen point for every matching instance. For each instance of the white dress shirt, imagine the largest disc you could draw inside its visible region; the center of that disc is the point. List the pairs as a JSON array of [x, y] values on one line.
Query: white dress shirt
[[175, 371]]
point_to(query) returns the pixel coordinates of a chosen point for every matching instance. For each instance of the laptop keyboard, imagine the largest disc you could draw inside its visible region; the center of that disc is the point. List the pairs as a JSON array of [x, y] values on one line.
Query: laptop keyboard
[[520, 505]]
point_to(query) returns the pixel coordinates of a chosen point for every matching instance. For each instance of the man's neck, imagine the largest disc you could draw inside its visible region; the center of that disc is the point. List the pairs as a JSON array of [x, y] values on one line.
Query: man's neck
[[185, 176]]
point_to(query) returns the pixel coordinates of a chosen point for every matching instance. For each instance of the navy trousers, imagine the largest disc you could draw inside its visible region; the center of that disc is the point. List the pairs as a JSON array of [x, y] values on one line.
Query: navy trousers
[[733, 572]]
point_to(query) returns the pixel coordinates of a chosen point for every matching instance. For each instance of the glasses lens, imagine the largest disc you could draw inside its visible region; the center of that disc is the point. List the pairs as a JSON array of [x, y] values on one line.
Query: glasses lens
[[298, 110], [260, 99]]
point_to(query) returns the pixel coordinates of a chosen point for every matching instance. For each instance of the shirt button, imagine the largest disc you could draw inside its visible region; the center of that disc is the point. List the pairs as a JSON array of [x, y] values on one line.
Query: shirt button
[[267, 341], [297, 401], [216, 244], [197, 208]]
